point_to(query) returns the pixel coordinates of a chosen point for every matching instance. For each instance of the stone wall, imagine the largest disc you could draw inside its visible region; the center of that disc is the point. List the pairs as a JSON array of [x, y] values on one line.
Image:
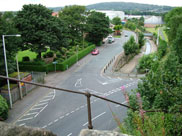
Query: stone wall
[[12, 130], [88, 132]]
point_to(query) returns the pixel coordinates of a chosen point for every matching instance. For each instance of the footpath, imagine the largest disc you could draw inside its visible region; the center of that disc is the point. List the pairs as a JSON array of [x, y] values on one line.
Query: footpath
[[129, 69]]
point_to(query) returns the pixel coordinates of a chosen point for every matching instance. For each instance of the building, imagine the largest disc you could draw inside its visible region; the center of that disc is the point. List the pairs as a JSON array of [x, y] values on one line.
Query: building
[[112, 14], [152, 21]]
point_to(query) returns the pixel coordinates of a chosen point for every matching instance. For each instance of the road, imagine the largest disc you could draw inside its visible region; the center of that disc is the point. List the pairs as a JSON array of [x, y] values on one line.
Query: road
[[65, 114]]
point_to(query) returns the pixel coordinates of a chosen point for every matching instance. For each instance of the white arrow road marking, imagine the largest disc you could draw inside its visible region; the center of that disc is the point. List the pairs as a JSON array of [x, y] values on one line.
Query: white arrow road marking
[[94, 118], [78, 83]]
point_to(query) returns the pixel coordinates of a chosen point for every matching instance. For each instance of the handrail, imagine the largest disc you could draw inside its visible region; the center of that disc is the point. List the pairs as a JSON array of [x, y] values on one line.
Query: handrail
[[87, 94]]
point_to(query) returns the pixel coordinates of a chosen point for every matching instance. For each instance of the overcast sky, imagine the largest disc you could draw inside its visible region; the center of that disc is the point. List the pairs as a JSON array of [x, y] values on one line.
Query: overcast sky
[[14, 5]]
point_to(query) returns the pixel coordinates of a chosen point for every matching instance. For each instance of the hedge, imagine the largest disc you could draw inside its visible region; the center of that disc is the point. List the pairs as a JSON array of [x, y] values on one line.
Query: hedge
[[3, 109], [41, 67]]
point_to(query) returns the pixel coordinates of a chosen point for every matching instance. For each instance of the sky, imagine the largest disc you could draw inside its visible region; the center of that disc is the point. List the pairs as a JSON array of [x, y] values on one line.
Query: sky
[[15, 5]]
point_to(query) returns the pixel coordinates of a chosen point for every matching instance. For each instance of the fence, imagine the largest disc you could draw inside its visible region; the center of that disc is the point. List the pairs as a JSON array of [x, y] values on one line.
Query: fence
[[87, 94], [37, 77]]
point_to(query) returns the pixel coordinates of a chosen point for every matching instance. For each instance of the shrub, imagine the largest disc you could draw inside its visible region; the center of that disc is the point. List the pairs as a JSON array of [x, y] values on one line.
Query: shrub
[[162, 48], [146, 62], [26, 58], [48, 54], [3, 109], [131, 47]]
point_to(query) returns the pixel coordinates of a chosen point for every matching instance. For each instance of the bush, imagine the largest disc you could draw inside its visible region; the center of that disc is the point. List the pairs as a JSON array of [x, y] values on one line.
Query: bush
[[26, 58], [131, 47], [162, 48], [3, 109], [48, 54], [146, 62]]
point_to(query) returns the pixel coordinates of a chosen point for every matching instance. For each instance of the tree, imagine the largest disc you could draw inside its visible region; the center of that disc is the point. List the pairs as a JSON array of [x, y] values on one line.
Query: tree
[[141, 40], [173, 19], [116, 21], [117, 29], [7, 27], [75, 17], [39, 28], [98, 27], [131, 47]]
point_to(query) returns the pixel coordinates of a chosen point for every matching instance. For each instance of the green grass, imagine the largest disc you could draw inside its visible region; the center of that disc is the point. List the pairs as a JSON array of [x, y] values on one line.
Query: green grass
[[117, 36], [165, 35], [21, 54], [30, 54], [152, 30]]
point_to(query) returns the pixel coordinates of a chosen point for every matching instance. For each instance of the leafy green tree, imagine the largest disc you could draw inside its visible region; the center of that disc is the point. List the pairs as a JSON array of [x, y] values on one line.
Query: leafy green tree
[[75, 18], [141, 40], [116, 21], [98, 27], [130, 25], [7, 27], [131, 47], [39, 29], [118, 29], [173, 20]]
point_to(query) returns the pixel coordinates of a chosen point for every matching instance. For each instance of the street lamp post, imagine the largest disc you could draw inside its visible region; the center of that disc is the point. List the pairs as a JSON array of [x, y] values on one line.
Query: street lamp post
[[77, 52], [5, 60]]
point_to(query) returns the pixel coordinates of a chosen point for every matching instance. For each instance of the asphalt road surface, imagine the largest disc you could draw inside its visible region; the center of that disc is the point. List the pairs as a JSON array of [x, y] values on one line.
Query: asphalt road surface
[[65, 114]]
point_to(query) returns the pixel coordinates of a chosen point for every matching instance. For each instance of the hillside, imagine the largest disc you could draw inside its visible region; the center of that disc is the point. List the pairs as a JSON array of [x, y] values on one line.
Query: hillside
[[128, 6]]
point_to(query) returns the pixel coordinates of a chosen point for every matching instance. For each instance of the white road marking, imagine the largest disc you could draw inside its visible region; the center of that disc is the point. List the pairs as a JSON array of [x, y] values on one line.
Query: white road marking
[[49, 96], [77, 109], [36, 108], [67, 114], [31, 113], [82, 106], [56, 120], [50, 124], [44, 126], [41, 104], [25, 119], [78, 83], [22, 124], [94, 118], [61, 117], [45, 100], [54, 94], [72, 111], [69, 134], [41, 110]]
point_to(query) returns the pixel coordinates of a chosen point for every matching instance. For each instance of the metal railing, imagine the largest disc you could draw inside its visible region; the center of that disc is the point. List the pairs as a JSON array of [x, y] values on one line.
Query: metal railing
[[87, 94]]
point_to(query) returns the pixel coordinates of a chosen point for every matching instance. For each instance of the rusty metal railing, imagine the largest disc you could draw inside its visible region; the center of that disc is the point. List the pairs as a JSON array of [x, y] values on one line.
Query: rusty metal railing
[[87, 94]]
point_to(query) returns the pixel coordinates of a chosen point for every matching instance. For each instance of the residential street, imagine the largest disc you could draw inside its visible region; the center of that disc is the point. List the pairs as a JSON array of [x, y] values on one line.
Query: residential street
[[65, 114]]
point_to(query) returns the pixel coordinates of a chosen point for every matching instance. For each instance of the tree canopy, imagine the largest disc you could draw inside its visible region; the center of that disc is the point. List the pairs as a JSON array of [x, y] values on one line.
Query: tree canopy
[[98, 27], [7, 27], [116, 21], [75, 17], [39, 28]]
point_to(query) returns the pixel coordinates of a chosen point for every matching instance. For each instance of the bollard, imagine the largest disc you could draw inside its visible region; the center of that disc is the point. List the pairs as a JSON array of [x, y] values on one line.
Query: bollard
[[88, 95]]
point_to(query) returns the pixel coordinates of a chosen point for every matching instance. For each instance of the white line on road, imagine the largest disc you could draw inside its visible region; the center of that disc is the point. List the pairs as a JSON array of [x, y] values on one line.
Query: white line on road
[[30, 113], [54, 94], [49, 96], [25, 119], [41, 110], [45, 100], [41, 104], [69, 134], [44, 126], [78, 83], [56, 120], [61, 117], [22, 124], [36, 108], [67, 114], [50, 124], [94, 118]]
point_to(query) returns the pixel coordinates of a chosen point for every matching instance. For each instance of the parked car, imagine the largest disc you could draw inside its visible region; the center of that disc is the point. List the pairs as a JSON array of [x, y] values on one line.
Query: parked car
[[126, 35], [95, 52], [110, 39]]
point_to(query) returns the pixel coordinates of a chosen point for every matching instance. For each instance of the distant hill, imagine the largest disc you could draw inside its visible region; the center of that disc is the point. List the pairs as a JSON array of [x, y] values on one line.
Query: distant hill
[[129, 6]]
